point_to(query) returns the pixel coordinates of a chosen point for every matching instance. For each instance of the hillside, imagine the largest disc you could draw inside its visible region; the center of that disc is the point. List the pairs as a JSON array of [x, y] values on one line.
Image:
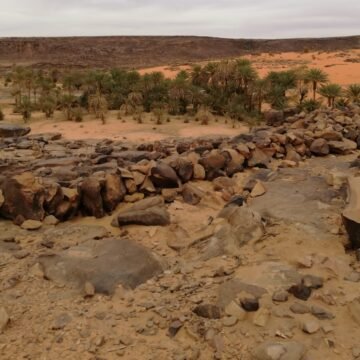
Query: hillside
[[139, 52]]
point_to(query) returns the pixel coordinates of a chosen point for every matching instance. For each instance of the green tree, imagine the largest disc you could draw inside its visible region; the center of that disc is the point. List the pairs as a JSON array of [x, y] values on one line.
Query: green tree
[[352, 93], [331, 92], [67, 102], [316, 77], [25, 108]]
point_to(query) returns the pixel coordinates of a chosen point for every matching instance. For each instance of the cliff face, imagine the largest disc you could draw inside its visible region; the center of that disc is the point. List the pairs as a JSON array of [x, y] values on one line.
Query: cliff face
[[137, 51]]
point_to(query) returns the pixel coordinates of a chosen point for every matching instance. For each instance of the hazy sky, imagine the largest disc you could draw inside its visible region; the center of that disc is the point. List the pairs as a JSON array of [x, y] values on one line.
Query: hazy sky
[[223, 18]]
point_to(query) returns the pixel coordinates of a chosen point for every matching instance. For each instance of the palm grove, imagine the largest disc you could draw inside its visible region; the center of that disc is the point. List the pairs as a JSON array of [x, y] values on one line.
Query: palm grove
[[230, 88]]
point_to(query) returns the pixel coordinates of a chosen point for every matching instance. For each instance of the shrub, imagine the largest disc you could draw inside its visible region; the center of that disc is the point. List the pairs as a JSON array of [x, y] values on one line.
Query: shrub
[[310, 105], [78, 114], [204, 116]]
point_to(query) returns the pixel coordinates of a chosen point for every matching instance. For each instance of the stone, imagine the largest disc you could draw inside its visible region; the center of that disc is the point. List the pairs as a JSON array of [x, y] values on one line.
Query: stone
[[154, 216], [199, 172], [300, 291], [350, 215], [133, 198], [89, 289], [242, 225], [4, 319], [305, 262], [354, 276], [230, 321], [191, 194], [2, 199], [298, 308], [280, 296], [342, 147], [91, 199], [310, 326], [51, 220], [262, 317], [234, 310], [258, 159], [31, 225], [321, 314], [184, 169], [250, 304], [113, 191], [213, 163], [230, 290], [24, 196], [12, 130], [313, 282], [320, 147], [290, 350], [169, 195], [164, 176], [174, 327], [208, 311], [274, 117], [258, 190], [61, 321], [105, 264], [356, 352]]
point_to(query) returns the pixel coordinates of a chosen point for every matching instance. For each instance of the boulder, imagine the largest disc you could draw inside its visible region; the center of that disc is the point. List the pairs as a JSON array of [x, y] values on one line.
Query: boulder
[[342, 147], [184, 169], [164, 176], [191, 194], [91, 199], [290, 350], [148, 212], [12, 130], [320, 147], [258, 158], [274, 117], [113, 192], [213, 163], [238, 226], [105, 264], [351, 214], [69, 205], [149, 217], [24, 197], [31, 225]]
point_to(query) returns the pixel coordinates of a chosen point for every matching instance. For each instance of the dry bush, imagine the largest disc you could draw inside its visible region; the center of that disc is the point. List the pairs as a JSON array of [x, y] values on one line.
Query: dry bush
[[204, 116]]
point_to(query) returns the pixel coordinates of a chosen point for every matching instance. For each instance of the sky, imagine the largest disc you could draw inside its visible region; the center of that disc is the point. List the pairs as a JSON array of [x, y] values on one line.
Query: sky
[[221, 18]]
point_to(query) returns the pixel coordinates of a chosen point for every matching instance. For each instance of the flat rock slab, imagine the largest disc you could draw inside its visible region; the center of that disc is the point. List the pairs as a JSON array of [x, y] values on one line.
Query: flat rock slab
[[105, 264], [71, 235], [295, 196], [12, 130]]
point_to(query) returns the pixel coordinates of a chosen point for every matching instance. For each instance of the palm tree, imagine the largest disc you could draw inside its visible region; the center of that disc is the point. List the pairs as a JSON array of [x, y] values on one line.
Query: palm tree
[[352, 93], [316, 77], [331, 92]]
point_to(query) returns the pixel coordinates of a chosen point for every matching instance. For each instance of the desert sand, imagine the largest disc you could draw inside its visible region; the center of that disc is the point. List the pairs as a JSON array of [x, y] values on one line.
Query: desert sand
[[343, 67]]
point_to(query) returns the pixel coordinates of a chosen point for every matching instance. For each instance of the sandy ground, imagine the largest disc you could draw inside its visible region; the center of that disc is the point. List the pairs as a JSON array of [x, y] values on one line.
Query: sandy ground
[[127, 128], [338, 65]]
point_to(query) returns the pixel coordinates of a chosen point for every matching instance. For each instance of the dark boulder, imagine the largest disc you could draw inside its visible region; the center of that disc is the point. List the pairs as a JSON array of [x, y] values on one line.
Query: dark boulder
[[12, 130]]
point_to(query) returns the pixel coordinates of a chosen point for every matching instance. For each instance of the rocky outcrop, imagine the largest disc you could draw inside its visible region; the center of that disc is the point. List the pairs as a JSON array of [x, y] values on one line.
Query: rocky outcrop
[[12, 130]]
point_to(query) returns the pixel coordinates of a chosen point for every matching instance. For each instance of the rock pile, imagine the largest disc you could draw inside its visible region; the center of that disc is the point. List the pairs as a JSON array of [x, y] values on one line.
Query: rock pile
[[45, 175]]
